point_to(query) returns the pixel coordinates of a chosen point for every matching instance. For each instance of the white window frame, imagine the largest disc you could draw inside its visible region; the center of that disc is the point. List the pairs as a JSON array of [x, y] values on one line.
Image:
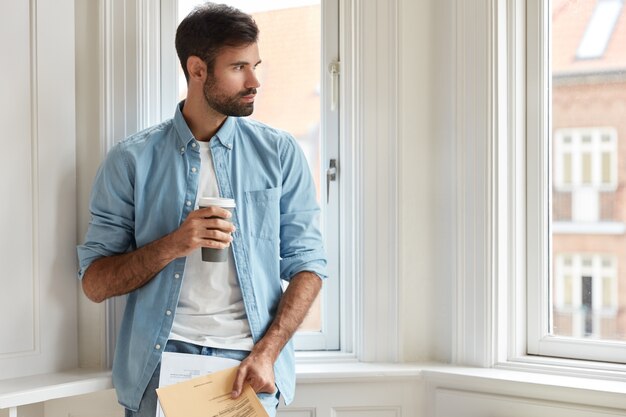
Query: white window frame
[[500, 86], [540, 341], [369, 96]]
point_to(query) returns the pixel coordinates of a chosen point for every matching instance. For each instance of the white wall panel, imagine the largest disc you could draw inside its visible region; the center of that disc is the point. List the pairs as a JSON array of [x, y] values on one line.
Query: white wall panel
[[99, 404], [38, 188], [297, 412], [392, 397], [32, 410], [368, 412], [18, 280]]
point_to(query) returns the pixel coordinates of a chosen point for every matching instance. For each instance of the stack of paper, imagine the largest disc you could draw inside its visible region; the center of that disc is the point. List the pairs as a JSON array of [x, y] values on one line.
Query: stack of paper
[[205, 390]]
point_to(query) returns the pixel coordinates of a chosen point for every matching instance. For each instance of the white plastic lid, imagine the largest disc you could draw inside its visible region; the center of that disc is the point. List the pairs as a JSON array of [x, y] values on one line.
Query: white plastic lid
[[216, 201]]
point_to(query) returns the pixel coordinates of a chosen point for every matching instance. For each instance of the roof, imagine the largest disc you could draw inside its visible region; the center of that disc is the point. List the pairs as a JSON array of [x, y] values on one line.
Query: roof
[[588, 36]]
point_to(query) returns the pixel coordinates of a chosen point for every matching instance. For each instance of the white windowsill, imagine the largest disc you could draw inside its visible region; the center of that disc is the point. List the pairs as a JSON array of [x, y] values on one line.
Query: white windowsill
[[311, 373], [580, 390], [576, 389], [38, 388]]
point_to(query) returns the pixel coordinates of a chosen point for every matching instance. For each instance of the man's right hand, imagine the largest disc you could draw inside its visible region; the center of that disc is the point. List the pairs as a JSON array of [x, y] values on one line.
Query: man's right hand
[[204, 227], [120, 274]]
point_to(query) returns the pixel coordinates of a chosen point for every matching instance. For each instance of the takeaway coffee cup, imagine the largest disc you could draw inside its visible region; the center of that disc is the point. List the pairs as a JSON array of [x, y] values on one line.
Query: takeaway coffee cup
[[211, 254]]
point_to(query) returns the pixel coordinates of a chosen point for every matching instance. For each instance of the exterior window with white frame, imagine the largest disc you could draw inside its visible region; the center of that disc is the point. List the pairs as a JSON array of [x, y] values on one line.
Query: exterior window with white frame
[[585, 174], [298, 43], [585, 296], [576, 87]]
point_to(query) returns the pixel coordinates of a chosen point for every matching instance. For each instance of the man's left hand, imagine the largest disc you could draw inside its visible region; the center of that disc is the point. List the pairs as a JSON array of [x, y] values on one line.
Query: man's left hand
[[258, 371]]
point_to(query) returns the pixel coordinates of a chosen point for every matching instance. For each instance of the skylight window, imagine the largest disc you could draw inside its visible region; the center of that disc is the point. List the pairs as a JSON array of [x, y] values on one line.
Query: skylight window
[[599, 29]]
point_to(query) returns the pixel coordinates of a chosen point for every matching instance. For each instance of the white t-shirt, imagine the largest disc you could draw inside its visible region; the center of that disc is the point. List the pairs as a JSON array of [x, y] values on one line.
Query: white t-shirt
[[210, 309]]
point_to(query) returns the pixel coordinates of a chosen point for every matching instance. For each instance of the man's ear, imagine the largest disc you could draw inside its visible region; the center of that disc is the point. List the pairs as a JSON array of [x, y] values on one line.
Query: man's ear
[[196, 68]]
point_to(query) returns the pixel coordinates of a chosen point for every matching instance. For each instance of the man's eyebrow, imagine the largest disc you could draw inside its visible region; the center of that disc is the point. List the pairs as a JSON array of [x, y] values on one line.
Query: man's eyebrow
[[236, 63]]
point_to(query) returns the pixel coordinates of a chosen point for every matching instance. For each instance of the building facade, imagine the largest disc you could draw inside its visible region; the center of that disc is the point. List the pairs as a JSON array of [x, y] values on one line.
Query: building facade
[[589, 169]]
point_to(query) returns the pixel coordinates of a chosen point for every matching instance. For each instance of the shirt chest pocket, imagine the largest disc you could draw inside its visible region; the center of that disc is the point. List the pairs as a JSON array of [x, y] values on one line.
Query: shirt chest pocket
[[263, 213]]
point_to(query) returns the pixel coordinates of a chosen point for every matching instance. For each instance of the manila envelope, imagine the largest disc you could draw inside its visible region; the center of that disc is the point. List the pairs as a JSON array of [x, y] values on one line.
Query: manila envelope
[[209, 396]]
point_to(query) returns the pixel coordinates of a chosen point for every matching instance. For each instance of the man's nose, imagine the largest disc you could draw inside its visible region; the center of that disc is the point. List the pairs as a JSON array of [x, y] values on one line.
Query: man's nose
[[251, 80]]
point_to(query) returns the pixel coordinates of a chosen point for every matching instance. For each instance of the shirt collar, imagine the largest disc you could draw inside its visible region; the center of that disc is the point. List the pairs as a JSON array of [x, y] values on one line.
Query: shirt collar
[[224, 134], [184, 134]]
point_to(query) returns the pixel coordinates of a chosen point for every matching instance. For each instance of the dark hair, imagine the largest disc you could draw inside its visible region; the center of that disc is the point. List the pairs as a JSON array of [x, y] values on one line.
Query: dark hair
[[210, 27]]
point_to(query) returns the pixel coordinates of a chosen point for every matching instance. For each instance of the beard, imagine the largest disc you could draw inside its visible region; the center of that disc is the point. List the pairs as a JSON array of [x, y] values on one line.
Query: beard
[[228, 105]]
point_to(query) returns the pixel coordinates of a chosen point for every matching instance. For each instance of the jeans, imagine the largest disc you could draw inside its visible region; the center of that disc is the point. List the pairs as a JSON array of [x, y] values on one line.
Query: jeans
[[147, 407]]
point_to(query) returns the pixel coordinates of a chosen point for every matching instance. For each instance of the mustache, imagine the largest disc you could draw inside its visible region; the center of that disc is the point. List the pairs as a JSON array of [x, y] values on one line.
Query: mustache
[[248, 92]]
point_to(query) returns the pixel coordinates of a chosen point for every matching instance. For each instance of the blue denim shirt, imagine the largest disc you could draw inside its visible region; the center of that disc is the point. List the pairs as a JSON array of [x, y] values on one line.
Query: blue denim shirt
[[144, 190]]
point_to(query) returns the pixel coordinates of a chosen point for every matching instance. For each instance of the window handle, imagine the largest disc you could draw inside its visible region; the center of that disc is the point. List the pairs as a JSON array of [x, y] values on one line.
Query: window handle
[[331, 175]]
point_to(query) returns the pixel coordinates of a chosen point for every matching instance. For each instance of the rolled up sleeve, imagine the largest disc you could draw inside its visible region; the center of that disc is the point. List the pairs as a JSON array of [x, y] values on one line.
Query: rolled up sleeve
[[111, 228], [301, 243]]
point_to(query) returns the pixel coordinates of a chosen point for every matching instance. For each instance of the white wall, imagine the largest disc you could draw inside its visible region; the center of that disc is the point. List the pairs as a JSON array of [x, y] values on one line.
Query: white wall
[[419, 272], [37, 184]]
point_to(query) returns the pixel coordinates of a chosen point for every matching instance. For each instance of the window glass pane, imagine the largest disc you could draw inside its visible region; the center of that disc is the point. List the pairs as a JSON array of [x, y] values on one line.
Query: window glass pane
[[289, 96], [588, 93], [586, 168], [607, 291], [567, 289], [599, 29], [567, 168], [606, 168]]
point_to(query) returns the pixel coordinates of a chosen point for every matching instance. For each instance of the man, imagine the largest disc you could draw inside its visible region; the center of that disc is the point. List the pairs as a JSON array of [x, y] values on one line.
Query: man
[[144, 237]]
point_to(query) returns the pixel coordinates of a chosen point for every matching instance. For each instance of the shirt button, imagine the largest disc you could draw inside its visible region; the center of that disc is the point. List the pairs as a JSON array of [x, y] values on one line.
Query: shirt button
[[182, 149], [176, 276], [168, 313], [188, 203], [157, 347], [193, 169], [193, 145]]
